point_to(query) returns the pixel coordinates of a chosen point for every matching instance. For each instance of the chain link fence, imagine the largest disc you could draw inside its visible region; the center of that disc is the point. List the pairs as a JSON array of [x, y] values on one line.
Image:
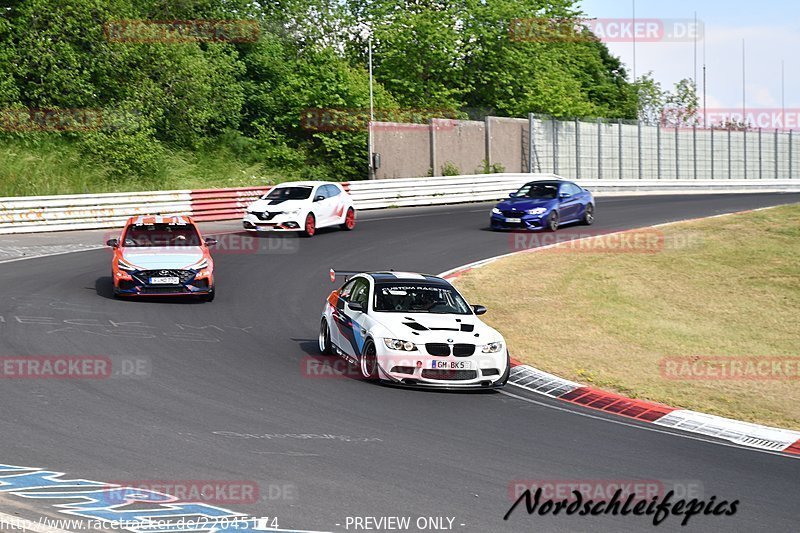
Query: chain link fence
[[624, 149]]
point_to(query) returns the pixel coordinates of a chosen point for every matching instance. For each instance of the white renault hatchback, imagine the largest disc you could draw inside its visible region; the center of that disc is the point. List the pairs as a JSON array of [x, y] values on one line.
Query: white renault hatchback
[[303, 206]]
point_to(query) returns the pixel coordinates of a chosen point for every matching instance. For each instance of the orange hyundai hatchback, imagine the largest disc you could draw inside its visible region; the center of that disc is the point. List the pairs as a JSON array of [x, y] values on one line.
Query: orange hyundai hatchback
[[162, 256]]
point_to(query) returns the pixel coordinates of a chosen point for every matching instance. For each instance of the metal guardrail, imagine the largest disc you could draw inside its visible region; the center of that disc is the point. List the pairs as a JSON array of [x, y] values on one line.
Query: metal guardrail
[[73, 212]]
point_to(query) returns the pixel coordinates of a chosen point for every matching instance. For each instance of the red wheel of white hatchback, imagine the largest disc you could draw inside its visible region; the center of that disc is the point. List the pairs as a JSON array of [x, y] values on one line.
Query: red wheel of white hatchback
[[349, 219], [310, 227]]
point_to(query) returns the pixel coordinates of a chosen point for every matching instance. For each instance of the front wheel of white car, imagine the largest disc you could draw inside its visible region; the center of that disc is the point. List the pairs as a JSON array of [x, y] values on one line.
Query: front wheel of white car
[[369, 362], [325, 345], [503, 380]]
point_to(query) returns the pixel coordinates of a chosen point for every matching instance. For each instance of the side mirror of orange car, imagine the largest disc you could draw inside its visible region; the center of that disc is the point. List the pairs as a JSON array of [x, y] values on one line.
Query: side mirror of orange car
[[112, 243], [211, 242]]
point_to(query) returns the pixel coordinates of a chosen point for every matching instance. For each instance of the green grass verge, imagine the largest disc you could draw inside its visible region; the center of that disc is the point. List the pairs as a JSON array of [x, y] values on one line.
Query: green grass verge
[[54, 165], [611, 319]]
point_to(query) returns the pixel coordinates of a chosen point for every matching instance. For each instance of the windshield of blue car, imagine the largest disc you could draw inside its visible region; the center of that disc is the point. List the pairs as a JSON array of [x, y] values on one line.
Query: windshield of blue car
[[161, 235], [538, 190], [405, 297], [288, 193]]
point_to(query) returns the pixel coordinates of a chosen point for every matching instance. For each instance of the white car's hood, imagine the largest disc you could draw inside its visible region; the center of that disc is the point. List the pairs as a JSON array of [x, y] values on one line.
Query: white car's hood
[[273, 206], [430, 327], [151, 258]]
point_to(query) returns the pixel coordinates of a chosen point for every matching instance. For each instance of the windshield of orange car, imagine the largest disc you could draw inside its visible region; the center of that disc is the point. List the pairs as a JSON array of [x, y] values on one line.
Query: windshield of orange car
[[152, 235]]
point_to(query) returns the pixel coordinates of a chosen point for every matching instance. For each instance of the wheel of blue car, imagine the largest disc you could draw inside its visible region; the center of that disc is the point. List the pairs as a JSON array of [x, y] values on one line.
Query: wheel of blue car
[[552, 221], [588, 215], [369, 362], [325, 345]]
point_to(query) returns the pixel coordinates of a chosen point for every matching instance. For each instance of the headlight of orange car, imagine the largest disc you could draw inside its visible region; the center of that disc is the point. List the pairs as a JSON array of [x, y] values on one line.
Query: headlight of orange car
[[199, 266], [127, 267]]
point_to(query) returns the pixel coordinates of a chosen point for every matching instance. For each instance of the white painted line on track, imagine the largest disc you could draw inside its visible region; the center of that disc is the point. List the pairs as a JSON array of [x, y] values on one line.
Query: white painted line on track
[[51, 254]]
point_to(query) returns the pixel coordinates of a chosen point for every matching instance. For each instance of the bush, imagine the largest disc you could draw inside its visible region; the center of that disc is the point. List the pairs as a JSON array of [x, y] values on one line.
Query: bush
[[450, 169]]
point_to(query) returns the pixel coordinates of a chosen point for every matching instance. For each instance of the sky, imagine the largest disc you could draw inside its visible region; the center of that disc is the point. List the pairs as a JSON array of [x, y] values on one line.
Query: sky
[[770, 28]]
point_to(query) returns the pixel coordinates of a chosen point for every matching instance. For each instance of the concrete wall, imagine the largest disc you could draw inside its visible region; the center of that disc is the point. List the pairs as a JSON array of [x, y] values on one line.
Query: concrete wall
[[585, 149], [405, 149], [460, 142]]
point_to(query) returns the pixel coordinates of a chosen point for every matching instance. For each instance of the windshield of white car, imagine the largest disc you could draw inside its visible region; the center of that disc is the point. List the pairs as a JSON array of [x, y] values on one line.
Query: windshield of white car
[[161, 235], [538, 190], [419, 298], [288, 193]]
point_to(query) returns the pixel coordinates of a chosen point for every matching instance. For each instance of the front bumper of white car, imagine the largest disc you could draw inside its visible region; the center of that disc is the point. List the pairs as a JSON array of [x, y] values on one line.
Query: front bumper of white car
[[420, 368], [271, 221]]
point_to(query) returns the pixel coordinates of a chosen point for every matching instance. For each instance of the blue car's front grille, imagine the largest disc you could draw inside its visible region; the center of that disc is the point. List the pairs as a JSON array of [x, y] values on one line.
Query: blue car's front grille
[[514, 214]]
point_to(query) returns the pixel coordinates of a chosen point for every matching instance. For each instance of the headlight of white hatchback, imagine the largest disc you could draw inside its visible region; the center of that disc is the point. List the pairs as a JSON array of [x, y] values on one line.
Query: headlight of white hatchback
[[492, 347], [397, 344]]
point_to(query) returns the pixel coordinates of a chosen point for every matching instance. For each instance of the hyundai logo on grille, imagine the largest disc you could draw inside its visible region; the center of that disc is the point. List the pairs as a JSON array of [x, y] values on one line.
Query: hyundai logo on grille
[[164, 273]]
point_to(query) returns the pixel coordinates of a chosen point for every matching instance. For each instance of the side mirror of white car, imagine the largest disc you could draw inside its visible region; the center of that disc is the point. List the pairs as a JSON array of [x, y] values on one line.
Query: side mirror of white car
[[479, 309]]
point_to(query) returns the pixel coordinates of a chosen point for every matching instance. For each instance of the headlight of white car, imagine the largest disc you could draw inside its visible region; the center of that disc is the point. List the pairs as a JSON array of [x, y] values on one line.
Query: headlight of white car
[[536, 211], [496, 211], [292, 212], [397, 344], [492, 347]]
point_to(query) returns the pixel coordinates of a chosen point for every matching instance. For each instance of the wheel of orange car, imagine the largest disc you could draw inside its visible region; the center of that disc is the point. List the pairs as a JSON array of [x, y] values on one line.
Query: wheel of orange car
[[310, 227], [349, 220]]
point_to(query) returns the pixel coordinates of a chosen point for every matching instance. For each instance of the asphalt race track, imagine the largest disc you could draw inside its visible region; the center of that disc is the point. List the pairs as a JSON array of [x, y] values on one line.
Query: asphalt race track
[[227, 395]]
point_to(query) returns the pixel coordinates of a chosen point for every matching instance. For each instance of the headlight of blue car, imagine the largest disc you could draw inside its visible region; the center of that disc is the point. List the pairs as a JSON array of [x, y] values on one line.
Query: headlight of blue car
[[536, 211], [496, 211]]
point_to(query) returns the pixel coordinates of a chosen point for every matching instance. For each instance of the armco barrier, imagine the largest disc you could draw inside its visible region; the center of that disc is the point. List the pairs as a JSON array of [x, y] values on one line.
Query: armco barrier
[[72, 212]]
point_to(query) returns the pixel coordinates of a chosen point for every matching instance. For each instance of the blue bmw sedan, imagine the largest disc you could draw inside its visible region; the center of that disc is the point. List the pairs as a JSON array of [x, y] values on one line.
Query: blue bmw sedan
[[544, 205]]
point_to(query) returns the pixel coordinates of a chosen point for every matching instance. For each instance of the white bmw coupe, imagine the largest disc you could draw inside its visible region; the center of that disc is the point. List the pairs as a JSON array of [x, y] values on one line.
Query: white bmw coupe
[[412, 329]]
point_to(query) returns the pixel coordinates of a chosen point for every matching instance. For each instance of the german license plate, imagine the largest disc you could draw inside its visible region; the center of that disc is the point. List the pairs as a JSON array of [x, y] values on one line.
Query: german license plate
[[513, 220], [165, 281], [451, 365]]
